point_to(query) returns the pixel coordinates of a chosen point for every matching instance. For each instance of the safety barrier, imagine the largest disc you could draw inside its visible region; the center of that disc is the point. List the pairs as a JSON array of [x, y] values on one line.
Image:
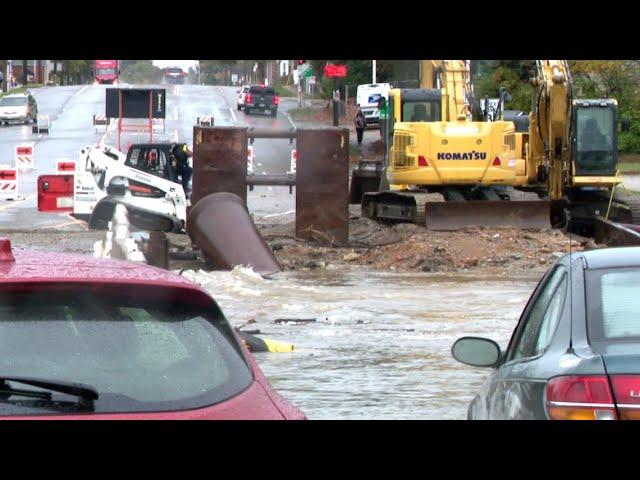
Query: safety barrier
[[205, 121], [250, 157], [24, 156], [8, 182], [65, 166], [42, 124]]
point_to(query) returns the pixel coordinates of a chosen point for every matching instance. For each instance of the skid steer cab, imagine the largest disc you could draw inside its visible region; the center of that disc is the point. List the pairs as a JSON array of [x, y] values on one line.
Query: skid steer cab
[[144, 180]]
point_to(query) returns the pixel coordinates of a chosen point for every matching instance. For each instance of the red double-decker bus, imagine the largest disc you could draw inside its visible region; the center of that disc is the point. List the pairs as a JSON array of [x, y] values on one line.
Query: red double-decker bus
[[106, 71]]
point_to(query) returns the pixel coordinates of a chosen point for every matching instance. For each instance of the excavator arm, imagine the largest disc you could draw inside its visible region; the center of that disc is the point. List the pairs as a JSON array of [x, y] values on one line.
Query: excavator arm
[[453, 78], [550, 124]]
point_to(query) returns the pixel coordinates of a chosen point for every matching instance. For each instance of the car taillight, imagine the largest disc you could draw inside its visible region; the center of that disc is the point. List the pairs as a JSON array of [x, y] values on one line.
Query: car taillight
[[276, 99], [247, 98], [626, 389], [496, 161], [422, 162], [579, 398]]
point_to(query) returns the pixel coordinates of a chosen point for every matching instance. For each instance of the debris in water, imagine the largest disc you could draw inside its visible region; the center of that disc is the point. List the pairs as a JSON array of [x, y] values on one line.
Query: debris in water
[[294, 321]]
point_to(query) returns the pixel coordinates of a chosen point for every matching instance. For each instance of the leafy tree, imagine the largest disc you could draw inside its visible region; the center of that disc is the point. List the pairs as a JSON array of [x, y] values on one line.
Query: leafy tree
[[514, 75], [140, 72]]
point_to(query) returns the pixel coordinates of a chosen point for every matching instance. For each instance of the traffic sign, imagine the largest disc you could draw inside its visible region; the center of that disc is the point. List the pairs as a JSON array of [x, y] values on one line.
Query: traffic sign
[[335, 70]]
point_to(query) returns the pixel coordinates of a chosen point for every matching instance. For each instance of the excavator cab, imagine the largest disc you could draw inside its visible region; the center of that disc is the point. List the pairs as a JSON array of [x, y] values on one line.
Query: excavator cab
[[420, 105], [594, 138]]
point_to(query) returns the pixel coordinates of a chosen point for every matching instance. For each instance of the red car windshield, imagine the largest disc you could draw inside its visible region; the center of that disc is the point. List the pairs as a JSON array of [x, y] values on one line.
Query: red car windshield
[[141, 348]]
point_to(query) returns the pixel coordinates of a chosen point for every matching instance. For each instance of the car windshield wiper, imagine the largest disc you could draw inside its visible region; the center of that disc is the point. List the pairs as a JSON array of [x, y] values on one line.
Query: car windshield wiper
[[86, 393]]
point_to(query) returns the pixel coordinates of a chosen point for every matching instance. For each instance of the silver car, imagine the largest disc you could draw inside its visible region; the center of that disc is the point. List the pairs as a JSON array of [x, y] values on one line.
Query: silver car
[[18, 108]]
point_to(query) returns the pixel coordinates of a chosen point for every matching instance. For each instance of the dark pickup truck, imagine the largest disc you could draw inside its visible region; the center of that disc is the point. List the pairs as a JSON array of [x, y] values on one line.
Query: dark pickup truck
[[261, 99]]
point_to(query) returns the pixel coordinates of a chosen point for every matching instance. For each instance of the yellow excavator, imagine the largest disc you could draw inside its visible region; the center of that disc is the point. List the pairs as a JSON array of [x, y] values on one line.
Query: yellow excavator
[[572, 145], [483, 169], [435, 148]]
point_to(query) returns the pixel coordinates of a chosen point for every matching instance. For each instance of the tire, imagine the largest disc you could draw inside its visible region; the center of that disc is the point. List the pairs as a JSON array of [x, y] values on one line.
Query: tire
[[247, 111], [239, 108]]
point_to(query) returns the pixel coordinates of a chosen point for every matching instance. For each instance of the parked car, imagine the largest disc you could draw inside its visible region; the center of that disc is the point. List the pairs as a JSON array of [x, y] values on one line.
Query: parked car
[[20, 107], [89, 338], [574, 353], [261, 98], [241, 94]]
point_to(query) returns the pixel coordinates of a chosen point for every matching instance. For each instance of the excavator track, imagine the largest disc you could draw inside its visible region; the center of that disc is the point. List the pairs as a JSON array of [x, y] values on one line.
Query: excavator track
[[455, 213], [632, 203]]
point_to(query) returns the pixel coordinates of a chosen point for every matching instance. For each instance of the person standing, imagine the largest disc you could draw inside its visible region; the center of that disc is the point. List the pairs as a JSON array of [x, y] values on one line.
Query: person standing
[[360, 124], [180, 162]]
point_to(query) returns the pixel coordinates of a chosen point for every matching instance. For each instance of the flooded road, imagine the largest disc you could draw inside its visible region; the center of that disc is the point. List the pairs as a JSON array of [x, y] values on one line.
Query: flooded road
[[380, 346]]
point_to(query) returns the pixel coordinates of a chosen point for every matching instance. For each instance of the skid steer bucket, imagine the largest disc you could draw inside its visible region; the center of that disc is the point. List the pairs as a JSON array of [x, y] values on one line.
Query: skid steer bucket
[[486, 213]]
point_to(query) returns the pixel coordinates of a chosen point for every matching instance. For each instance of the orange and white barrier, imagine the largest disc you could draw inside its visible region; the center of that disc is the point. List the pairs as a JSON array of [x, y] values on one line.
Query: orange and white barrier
[[24, 155], [8, 182], [205, 120], [250, 157], [100, 119], [294, 161]]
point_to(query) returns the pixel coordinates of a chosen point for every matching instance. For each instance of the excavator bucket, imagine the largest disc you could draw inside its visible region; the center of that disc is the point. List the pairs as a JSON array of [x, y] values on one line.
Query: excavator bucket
[[365, 178], [524, 214]]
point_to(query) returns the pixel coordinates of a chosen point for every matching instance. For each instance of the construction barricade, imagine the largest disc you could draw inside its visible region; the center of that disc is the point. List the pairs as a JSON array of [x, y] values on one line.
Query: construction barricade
[[8, 182], [24, 156]]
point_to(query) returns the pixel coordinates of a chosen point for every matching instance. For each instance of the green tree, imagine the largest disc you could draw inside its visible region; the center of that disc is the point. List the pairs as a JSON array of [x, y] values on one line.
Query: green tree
[[513, 75], [140, 72]]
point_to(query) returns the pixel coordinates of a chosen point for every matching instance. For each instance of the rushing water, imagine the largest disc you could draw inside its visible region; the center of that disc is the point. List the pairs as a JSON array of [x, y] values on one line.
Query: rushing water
[[380, 346]]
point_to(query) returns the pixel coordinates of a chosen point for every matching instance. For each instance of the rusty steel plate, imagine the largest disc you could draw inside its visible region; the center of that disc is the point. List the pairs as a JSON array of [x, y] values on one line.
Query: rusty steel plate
[[219, 161], [322, 185]]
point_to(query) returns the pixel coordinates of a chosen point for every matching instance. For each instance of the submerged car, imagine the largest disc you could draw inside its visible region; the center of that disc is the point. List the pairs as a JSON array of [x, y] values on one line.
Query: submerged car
[[89, 338], [18, 108], [574, 354]]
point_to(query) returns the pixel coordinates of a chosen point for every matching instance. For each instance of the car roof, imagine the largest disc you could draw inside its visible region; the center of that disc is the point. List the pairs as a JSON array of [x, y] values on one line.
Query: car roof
[[615, 257], [40, 266]]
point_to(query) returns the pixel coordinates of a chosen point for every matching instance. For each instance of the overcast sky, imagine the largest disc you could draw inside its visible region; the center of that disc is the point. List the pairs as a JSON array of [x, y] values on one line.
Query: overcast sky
[[184, 64]]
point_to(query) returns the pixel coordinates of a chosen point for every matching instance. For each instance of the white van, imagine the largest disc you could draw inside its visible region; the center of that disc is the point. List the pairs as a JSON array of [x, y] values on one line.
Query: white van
[[367, 97]]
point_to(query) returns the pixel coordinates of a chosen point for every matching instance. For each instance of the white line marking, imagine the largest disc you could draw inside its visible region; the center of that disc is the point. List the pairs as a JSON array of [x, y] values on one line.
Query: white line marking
[[290, 119], [233, 115], [80, 91]]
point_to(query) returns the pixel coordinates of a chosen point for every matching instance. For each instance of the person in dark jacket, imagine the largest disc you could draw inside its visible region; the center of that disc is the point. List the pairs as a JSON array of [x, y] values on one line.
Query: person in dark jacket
[[180, 155], [360, 124]]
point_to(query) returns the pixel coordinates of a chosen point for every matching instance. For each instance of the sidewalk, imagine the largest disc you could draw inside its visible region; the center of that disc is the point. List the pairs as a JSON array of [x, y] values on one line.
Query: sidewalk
[[316, 114]]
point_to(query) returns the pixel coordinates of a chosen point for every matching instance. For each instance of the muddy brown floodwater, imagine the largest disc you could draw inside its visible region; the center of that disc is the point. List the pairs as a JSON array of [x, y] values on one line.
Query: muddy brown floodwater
[[380, 346]]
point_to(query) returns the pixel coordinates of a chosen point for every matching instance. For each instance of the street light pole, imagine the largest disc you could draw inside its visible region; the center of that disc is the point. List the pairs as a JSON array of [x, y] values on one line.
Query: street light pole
[[373, 69]]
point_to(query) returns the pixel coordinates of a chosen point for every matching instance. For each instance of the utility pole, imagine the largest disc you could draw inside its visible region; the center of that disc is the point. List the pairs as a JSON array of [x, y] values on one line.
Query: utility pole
[[4, 75], [336, 102], [373, 71]]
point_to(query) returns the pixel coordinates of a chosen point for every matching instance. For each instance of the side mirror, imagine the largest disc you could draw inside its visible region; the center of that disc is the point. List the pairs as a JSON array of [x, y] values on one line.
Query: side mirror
[[476, 351], [625, 125]]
